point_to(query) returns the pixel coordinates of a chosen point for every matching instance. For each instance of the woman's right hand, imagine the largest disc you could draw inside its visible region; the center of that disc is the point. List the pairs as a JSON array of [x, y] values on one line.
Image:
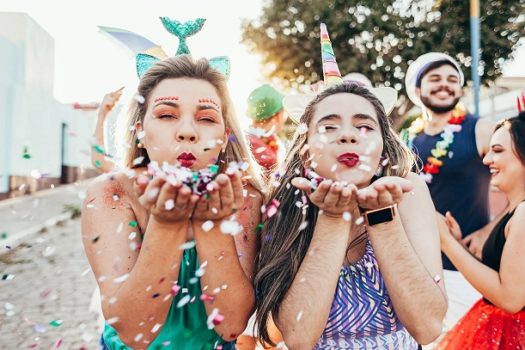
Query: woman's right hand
[[108, 102], [167, 202], [333, 198]]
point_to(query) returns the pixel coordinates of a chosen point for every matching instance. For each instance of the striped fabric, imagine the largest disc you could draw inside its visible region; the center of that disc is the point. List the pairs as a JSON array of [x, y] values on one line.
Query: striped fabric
[[362, 315]]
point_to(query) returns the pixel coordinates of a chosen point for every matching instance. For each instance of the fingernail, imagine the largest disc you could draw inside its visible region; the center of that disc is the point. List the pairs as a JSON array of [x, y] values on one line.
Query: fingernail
[[142, 179]]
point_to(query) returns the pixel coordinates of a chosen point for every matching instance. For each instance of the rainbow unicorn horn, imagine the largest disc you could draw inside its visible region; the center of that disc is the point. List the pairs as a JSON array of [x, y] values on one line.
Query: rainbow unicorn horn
[[331, 73]]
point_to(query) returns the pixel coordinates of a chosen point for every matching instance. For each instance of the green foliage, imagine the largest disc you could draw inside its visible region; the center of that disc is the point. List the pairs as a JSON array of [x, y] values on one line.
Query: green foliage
[[380, 38]]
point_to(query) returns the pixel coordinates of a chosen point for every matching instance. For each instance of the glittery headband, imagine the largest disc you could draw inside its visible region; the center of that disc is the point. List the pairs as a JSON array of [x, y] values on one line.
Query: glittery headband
[[182, 30]]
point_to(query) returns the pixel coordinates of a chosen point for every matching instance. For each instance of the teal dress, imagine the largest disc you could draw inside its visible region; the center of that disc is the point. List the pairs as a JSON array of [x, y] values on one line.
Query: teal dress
[[185, 327]]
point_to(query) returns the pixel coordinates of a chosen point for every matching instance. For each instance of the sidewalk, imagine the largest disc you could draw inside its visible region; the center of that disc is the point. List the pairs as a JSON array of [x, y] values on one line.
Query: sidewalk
[[23, 216], [46, 281]]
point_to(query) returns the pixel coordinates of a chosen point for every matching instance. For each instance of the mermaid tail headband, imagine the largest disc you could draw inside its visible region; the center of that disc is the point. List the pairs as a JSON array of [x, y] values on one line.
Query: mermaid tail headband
[[147, 53]]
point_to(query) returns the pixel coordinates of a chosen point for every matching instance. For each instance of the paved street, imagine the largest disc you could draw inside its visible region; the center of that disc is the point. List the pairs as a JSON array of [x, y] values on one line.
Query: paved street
[[46, 279]]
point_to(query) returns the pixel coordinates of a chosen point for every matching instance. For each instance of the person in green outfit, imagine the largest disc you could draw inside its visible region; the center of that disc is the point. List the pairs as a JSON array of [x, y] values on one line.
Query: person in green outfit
[[174, 267], [265, 109]]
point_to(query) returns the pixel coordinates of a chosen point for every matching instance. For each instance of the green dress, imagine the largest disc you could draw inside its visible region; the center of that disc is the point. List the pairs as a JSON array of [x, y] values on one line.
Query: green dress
[[186, 327]]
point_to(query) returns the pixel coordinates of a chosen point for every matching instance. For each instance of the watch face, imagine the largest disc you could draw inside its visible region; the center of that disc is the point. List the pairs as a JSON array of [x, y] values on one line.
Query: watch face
[[379, 216]]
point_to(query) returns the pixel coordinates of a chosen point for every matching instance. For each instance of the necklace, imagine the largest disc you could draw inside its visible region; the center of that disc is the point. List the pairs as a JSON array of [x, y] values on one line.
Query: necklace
[[441, 149]]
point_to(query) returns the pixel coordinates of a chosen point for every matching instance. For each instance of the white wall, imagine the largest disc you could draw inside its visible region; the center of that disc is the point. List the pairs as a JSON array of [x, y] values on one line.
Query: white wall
[[29, 114]]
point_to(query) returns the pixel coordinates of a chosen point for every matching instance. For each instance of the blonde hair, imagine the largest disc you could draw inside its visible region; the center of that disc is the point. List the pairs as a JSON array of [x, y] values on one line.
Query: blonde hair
[[184, 66]]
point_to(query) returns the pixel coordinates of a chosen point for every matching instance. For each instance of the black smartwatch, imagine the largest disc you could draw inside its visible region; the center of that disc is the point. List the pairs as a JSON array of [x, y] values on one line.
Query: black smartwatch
[[379, 216]]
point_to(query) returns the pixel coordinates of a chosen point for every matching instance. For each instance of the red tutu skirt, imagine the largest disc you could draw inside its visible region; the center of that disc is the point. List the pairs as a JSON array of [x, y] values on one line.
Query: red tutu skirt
[[486, 327]]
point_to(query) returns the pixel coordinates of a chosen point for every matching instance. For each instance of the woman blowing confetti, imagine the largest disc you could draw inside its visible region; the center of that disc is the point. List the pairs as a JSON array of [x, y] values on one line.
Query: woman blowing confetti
[[352, 260], [173, 252]]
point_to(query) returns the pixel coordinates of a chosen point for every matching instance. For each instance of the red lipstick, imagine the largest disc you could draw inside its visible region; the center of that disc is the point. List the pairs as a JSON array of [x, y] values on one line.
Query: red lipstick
[[348, 159], [186, 159]]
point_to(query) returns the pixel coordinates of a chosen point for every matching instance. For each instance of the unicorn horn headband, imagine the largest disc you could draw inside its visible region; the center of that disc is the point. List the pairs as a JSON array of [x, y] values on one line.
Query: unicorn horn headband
[[296, 104], [331, 73]]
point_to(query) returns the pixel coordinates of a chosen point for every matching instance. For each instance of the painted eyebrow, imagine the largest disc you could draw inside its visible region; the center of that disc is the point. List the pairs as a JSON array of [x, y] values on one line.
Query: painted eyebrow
[[166, 98], [168, 103], [204, 107]]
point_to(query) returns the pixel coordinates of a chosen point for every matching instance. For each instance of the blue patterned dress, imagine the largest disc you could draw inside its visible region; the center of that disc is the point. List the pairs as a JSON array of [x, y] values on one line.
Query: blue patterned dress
[[362, 315]]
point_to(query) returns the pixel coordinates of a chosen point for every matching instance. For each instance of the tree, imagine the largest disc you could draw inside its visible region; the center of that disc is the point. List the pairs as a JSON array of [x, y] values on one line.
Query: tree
[[380, 38]]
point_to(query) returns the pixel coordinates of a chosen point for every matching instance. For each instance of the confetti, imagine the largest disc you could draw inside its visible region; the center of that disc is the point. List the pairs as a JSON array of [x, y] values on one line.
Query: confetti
[[138, 337], [347, 216], [437, 278], [214, 319], [7, 277], [58, 343], [121, 279], [206, 297], [56, 323], [169, 204], [299, 315], [359, 220], [230, 227], [187, 245], [112, 320], [207, 225], [302, 129], [183, 301], [133, 223], [175, 289], [3, 235], [156, 327], [139, 98], [39, 328], [138, 160]]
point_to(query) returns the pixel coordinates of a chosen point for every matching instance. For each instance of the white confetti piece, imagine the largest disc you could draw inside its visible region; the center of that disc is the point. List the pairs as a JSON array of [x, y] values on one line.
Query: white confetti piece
[[183, 301], [132, 235], [299, 315], [187, 245], [112, 320], [139, 98], [138, 337], [359, 220], [169, 204], [302, 129], [121, 279], [207, 225], [333, 168], [230, 227], [138, 160], [347, 216], [156, 327]]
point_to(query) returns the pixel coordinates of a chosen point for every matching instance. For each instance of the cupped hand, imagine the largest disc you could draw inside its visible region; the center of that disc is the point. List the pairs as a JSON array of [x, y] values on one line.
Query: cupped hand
[[383, 192], [224, 198], [167, 201], [333, 198]]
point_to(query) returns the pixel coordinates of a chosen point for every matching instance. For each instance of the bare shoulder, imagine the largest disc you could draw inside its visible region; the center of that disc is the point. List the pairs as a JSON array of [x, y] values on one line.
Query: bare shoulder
[[484, 129], [112, 190], [517, 222], [418, 198]]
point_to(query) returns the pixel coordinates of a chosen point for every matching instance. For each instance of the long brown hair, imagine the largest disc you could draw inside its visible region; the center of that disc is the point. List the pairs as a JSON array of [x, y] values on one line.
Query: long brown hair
[[283, 243], [184, 66]]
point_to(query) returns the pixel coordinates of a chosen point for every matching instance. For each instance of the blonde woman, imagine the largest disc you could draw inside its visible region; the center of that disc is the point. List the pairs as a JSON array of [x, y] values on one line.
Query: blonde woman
[[167, 274]]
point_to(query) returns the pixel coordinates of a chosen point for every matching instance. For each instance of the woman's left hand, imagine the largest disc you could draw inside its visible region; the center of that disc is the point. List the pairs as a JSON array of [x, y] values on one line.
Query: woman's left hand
[[383, 192], [224, 198]]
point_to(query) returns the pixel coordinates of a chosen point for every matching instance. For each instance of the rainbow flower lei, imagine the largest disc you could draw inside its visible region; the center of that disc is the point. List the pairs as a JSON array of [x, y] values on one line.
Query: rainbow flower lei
[[442, 146]]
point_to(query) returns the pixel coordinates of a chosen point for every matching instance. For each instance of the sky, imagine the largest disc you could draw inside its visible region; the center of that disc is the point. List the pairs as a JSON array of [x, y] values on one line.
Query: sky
[[88, 63]]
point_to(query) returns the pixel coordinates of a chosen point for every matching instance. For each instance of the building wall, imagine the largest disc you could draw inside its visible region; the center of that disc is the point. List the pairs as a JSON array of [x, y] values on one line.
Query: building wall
[[56, 136]]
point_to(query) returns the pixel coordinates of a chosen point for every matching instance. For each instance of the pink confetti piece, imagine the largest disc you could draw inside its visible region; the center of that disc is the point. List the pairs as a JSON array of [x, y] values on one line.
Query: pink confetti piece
[[206, 297]]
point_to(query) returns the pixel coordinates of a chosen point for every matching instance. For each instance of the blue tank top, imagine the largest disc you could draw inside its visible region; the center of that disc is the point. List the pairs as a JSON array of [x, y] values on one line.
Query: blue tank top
[[462, 184]]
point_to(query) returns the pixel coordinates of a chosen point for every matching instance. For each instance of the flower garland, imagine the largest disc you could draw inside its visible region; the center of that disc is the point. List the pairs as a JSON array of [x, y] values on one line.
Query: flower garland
[[442, 146]]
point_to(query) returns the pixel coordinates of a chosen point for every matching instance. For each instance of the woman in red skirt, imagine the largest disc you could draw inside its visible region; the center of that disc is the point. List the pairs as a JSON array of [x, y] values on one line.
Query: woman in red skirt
[[497, 321]]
